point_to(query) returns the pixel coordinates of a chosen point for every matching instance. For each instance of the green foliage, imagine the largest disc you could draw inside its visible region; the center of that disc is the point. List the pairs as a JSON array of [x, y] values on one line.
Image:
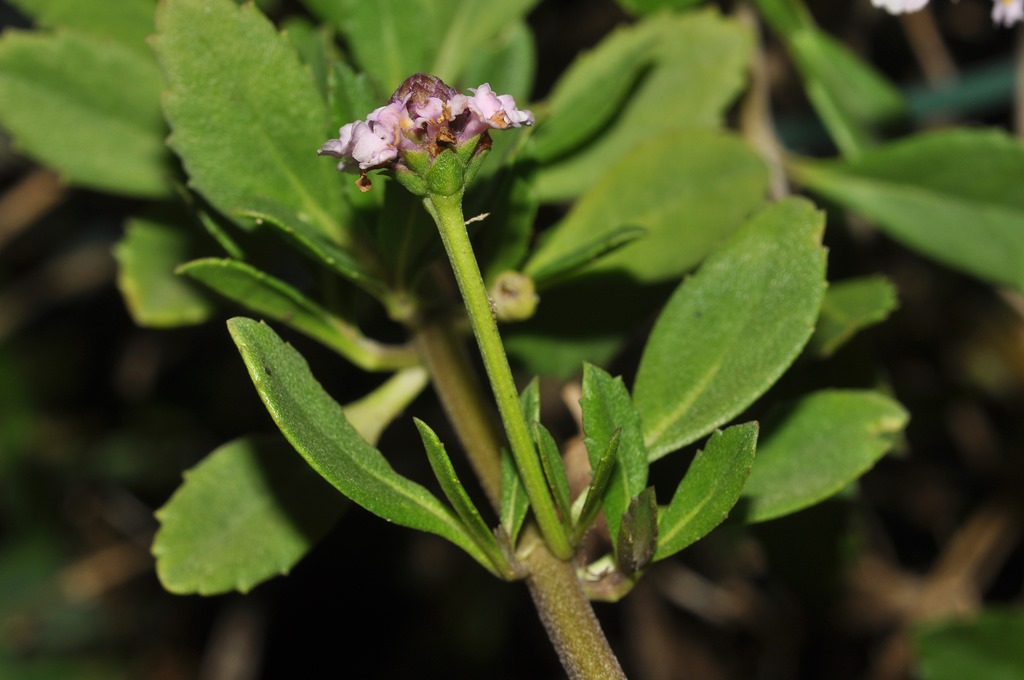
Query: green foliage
[[245, 116], [698, 67], [638, 534], [63, 98], [316, 426], [729, 332], [147, 256], [128, 22], [817, 447], [249, 511], [985, 646], [923, 190], [849, 307], [607, 409], [711, 487]]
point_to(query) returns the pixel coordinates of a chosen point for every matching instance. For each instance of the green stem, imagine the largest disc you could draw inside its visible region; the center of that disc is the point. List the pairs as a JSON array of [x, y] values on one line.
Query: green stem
[[447, 212], [562, 606]]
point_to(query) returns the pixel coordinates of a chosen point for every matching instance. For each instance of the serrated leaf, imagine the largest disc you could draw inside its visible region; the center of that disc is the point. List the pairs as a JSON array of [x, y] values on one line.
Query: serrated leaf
[[985, 646], [63, 99], [715, 183], [246, 118], [849, 307], [607, 408], [393, 39], [926, 190], [710, 489], [822, 443], [700, 63], [590, 93], [637, 541], [249, 511], [456, 494], [147, 256], [316, 426], [730, 331]]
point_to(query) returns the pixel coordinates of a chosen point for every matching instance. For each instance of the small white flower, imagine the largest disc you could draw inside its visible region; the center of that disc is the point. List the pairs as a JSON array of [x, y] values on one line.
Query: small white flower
[[1008, 12], [900, 6]]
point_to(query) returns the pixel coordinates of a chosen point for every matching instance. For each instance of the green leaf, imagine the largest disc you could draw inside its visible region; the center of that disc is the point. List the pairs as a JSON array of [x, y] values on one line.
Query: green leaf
[[316, 426], [554, 471], [456, 494], [641, 7], [607, 408], [573, 261], [246, 118], [508, 63], [306, 239], [715, 183], [952, 195], [700, 64], [249, 511], [274, 299], [147, 256], [393, 39], [590, 93], [63, 98], [985, 647], [638, 538], [710, 489], [850, 306], [129, 22], [351, 94], [728, 333], [503, 239], [853, 100], [314, 47], [594, 496], [514, 501], [823, 442]]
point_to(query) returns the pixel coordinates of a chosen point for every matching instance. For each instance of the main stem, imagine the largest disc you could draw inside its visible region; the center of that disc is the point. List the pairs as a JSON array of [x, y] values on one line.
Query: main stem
[[447, 212], [563, 608]]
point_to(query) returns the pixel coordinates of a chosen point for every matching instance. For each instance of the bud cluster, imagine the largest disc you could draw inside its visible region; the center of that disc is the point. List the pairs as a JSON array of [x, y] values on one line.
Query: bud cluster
[[423, 119]]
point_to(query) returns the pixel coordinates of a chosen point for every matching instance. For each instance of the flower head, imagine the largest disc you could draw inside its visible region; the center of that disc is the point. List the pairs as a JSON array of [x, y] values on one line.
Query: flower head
[[1008, 12], [423, 116]]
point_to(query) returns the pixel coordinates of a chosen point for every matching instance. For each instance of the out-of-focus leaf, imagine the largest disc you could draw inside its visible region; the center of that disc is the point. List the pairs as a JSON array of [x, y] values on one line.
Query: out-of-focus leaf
[[316, 426], [850, 306], [853, 100], [571, 262], [640, 7], [710, 489], [986, 646], [716, 181], [508, 64], [147, 256], [393, 39], [64, 100], [607, 407], [822, 443], [246, 118], [248, 512], [313, 46], [700, 63], [952, 195], [590, 93], [129, 22], [731, 330]]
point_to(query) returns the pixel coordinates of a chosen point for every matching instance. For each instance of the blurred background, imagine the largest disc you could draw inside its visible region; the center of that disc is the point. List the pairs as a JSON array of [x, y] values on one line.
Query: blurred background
[[98, 419]]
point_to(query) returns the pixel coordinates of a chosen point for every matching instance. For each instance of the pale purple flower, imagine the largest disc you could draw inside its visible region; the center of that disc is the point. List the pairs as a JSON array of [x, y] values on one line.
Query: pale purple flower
[[423, 114], [1008, 12], [900, 6]]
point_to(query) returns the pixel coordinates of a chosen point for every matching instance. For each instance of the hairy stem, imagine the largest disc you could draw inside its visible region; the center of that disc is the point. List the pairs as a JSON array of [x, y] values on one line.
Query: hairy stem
[[447, 212]]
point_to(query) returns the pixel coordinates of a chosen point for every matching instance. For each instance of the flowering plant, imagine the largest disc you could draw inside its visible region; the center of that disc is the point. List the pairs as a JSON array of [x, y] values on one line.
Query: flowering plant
[[614, 309]]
